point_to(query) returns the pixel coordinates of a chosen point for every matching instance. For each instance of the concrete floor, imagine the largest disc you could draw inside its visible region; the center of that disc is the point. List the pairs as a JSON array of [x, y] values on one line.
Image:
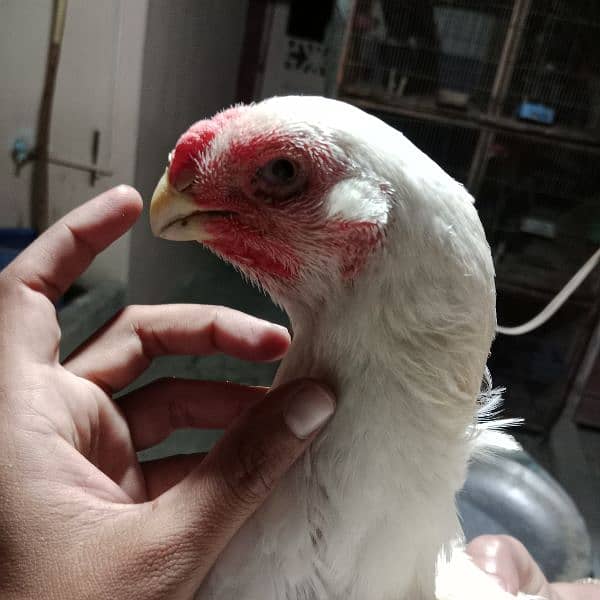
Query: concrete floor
[[569, 453]]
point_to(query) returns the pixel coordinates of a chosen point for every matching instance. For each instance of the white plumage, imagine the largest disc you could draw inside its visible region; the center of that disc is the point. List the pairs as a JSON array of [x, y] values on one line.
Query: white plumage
[[369, 511]]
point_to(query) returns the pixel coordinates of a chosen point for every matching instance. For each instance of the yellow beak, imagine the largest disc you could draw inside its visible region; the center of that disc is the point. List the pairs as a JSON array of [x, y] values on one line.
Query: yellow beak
[[174, 215]]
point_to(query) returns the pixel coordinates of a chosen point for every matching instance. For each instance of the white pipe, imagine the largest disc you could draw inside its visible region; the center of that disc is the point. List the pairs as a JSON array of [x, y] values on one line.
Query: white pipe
[[557, 302]]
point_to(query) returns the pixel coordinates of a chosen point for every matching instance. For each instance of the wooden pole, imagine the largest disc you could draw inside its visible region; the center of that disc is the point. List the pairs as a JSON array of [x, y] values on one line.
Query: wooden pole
[[39, 176], [504, 72]]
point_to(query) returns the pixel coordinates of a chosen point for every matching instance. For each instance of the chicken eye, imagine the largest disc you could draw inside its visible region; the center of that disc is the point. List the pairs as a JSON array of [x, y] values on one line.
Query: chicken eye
[[279, 179], [279, 171]]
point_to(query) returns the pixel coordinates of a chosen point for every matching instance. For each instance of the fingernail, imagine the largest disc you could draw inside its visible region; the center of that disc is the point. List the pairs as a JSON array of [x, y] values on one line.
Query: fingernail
[[279, 328], [274, 326], [309, 407]]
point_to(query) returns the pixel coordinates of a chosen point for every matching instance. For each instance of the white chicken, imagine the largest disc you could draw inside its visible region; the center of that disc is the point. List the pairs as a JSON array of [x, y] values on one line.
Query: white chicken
[[381, 262]]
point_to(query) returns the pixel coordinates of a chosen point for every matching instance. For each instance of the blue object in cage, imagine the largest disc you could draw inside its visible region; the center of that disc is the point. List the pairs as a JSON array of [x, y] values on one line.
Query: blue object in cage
[[539, 113], [12, 241]]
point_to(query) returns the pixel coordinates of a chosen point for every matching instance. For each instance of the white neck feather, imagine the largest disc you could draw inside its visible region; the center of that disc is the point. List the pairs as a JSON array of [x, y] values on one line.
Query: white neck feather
[[407, 374]]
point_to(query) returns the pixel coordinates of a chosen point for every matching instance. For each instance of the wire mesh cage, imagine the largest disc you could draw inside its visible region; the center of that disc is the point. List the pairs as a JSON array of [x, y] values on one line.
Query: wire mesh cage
[[505, 96], [449, 53], [447, 144], [556, 78], [411, 51], [537, 370], [540, 206]]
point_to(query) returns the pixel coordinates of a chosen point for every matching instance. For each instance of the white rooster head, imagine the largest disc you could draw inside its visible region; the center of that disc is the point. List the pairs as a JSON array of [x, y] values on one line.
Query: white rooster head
[[313, 198], [275, 190]]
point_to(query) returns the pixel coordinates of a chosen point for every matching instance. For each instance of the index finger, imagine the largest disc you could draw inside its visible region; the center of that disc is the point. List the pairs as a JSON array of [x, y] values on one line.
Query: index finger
[[124, 348], [63, 252]]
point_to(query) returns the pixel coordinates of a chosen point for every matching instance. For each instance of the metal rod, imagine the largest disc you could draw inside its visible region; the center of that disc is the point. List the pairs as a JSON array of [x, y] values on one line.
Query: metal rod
[[504, 72], [585, 367], [345, 47], [254, 49], [39, 177], [95, 150], [479, 162], [90, 168], [508, 56], [58, 25], [475, 120]]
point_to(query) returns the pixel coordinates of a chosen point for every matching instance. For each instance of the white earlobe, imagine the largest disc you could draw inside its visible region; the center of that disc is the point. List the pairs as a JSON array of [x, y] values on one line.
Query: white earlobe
[[358, 200]]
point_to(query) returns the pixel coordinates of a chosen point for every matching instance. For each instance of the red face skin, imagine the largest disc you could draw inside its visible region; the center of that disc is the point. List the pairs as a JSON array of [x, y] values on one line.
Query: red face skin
[[273, 232]]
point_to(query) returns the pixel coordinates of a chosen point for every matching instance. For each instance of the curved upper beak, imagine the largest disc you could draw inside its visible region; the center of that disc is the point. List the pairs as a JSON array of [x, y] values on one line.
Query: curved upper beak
[[174, 215]]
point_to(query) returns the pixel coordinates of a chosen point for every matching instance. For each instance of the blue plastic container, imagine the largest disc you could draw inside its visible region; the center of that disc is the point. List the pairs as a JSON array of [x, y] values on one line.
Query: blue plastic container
[[538, 113], [12, 241]]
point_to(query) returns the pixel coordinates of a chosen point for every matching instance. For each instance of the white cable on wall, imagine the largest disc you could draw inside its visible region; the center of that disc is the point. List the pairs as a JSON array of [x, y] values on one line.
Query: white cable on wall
[[557, 302]]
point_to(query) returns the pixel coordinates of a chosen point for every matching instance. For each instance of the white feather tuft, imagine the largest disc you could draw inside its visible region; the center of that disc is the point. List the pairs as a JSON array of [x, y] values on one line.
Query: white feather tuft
[[488, 432]]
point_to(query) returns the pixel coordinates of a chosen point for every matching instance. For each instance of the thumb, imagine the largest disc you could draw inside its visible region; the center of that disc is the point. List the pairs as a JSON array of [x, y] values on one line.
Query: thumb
[[507, 561], [199, 516]]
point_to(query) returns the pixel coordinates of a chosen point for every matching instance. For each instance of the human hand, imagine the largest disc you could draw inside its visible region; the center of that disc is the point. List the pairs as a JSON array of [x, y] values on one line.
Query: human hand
[[81, 517], [506, 560]]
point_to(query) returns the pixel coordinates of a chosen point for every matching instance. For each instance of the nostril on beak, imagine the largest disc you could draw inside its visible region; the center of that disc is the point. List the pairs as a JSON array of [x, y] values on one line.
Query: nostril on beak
[[183, 180], [190, 147]]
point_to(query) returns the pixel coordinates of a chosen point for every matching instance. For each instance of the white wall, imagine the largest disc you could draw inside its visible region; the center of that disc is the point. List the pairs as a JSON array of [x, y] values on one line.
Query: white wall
[[97, 87], [190, 71], [24, 29]]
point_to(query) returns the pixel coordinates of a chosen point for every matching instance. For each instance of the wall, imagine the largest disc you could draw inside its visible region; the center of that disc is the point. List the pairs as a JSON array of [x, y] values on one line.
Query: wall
[[190, 70], [293, 65], [97, 87]]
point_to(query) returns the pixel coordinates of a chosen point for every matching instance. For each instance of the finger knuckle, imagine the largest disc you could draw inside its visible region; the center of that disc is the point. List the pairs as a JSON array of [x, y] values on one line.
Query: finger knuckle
[[130, 313], [220, 313], [178, 412], [219, 308]]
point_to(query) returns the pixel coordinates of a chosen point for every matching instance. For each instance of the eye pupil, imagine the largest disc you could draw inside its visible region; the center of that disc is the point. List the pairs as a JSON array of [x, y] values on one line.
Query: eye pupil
[[279, 178], [283, 170]]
